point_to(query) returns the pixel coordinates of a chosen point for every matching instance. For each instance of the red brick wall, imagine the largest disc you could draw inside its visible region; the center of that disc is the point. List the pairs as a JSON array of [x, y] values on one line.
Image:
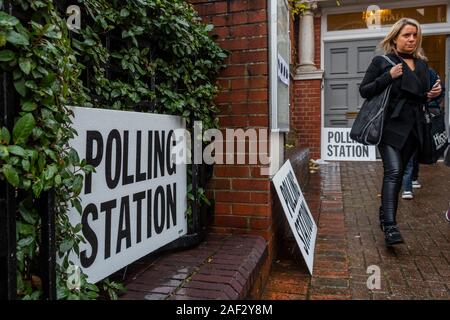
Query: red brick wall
[[242, 195], [306, 112]]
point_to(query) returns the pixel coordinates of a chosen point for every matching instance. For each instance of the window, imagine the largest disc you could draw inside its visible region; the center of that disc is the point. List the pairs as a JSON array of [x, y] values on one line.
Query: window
[[385, 17]]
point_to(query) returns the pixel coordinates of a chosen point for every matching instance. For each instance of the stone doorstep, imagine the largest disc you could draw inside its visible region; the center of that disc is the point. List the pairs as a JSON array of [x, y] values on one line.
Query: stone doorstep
[[227, 272]]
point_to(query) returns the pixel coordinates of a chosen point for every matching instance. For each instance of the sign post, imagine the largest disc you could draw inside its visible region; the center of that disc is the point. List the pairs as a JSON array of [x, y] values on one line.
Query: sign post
[[135, 202], [297, 212]]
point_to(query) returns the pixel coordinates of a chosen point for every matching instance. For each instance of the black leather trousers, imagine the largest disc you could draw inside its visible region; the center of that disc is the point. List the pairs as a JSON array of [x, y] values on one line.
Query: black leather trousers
[[394, 163]]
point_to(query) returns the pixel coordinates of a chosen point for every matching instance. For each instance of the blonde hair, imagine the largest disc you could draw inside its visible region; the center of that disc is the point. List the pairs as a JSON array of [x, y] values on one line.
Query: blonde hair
[[388, 45]]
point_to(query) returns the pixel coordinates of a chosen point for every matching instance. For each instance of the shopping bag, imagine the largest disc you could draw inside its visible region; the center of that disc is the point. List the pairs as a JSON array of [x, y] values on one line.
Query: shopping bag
[[435, 138]]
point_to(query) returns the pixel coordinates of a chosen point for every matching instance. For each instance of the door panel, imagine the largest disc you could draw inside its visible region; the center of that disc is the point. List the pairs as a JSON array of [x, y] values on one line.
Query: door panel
[[345, 65]]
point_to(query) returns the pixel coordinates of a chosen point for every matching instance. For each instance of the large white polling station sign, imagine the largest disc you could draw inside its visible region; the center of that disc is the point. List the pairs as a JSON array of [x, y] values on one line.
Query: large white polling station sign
[[337, 145], [297, 212], [135, 202]]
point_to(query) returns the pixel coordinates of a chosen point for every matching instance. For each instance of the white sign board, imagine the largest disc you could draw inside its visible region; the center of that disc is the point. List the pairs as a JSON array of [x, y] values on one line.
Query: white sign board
[[337, 145], [135, 202], [297, 212]]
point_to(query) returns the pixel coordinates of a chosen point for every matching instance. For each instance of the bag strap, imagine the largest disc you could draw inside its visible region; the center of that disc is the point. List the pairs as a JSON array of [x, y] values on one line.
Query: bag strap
[[388, 60]]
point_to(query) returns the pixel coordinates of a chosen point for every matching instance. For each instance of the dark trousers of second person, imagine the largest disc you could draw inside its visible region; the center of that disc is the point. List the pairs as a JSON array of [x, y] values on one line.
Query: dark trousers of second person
[[394, 163]]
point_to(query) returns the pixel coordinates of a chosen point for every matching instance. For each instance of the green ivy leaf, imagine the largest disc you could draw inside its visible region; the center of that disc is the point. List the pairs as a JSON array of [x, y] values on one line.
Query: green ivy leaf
[[124, 13], [26, 165], [77, 204], [27, 215], [3, 152], [25, 229], [5, 136], [23, 128], [29, 106], [17, 150], [66, 245], [25, 242], [73, 157], [6, 20], [37, 188], [50, 171], [17, 38], [25, 65], [7, 55], [11, 175], [2, 39], [20, 87]]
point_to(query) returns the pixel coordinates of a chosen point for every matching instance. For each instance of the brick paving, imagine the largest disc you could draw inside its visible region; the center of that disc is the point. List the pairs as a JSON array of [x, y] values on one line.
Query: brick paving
[[418, 269], [344, 198], [289, 278]]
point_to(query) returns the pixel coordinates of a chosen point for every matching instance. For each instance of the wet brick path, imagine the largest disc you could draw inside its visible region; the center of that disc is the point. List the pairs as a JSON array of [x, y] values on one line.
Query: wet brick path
[[344, 198], [418, 269], [289, 278]]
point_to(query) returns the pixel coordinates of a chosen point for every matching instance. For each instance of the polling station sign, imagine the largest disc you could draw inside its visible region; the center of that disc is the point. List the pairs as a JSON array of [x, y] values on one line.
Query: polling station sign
[[297, 212], [337, 145], [136, 201]]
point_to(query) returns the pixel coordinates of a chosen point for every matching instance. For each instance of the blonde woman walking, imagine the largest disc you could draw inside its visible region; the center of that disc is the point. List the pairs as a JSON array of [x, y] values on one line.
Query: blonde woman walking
[[402, 132]]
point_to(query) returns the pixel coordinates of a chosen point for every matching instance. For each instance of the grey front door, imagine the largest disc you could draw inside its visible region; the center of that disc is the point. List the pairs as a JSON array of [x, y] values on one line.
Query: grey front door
[[345, 65]]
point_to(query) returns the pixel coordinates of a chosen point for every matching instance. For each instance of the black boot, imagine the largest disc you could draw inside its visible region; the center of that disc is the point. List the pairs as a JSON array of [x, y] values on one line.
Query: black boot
[[381, 219], [392, 235]]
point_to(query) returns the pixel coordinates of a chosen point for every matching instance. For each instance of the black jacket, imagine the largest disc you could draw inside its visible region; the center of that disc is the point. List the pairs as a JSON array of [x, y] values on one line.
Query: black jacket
[[408, 95]]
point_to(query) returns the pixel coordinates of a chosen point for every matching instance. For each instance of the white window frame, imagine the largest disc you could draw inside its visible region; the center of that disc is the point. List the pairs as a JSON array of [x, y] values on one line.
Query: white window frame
[[273, 63]]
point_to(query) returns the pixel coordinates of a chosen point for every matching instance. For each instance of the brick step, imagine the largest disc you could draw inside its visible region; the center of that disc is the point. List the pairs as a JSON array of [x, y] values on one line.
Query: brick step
[[222, 267]]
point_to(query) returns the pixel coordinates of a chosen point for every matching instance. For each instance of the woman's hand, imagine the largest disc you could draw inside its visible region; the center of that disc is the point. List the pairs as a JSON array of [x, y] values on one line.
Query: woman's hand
[[435, 92], [396, 71]]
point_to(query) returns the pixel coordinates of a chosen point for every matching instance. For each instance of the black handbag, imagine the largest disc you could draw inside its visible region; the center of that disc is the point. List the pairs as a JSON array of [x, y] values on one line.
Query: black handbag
[[368, 126], [435, 138]]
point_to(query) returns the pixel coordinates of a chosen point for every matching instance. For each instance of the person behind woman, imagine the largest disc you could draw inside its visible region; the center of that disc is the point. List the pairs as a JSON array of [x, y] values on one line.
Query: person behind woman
[[411, 174], [402, 131]]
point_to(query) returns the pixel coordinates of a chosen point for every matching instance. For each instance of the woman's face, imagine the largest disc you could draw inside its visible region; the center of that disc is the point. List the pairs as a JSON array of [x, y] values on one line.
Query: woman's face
[[406, 40]]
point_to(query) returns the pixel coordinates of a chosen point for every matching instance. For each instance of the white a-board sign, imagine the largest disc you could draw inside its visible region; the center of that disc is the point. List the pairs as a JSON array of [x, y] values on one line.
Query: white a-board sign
[[135, 202], [297, 212]]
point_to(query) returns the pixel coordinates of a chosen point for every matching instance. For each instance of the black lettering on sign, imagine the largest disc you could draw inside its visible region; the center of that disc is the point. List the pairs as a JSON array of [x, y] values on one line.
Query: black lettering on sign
[[284, 192], [140, 176], [170, 163], [107, 208], [304, 226], [149, 213], [299, 232], [291, 193], [171, 204], [159, 212], [91, 137], [126, 179], [124, 231], [138, 197], [150, 155], [114, 135], [159, 154], [89, 235]]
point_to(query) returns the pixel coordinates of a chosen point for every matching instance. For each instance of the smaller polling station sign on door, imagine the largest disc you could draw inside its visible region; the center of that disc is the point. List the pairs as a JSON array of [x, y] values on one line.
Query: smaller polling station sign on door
[[297, 212], [337, 145]]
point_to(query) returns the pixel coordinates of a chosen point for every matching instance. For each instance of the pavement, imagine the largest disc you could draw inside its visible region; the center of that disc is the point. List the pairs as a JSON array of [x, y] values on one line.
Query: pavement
[[351, 260]]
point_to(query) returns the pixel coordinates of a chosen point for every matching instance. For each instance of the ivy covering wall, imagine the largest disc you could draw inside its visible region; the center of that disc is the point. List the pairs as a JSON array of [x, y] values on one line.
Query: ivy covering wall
[[142, 55]]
